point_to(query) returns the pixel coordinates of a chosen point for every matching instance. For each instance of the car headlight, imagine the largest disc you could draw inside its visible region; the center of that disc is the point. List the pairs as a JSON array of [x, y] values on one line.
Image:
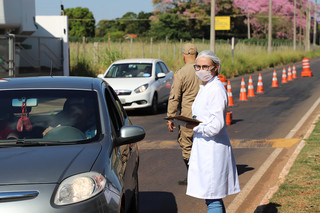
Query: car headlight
[[142, 88], [79, 187]]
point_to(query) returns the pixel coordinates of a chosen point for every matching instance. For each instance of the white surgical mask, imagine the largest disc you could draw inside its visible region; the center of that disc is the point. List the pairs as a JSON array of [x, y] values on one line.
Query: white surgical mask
[[204, 75]]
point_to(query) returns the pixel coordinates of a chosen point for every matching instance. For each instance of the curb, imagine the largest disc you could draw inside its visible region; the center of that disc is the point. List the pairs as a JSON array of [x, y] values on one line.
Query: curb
[[235, 204], [288, 166]]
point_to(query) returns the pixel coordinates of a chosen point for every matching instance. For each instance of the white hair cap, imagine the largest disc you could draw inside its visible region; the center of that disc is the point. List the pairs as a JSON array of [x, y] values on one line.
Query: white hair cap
[[212, 56]]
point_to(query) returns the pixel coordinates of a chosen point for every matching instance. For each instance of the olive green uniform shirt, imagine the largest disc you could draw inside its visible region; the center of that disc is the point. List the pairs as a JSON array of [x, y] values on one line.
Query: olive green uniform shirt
[[183, 91]]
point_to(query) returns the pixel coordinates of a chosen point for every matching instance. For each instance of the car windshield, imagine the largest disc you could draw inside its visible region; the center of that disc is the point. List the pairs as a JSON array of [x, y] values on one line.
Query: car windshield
[[48, 115], [130, 70]]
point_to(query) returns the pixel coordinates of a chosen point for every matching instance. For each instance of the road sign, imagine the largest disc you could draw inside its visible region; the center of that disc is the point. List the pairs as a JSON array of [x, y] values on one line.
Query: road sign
[[222, 23]]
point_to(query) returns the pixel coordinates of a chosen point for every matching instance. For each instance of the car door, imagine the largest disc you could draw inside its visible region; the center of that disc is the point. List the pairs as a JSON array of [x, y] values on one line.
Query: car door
[[161, 84], [117, 121], [126, 156], [168, 80]]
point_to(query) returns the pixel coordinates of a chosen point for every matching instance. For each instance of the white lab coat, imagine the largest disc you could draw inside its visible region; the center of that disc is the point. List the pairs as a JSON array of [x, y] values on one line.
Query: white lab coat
[[212, 170]]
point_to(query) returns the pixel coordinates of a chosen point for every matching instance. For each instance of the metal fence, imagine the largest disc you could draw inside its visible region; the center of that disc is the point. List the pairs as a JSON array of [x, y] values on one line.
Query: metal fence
[[22, 55]]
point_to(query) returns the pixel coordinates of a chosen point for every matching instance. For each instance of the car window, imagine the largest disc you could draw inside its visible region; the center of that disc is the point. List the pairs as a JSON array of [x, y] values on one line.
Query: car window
[[49, 115], [164, 67], [116, 112], [158, 69], [130, 70]]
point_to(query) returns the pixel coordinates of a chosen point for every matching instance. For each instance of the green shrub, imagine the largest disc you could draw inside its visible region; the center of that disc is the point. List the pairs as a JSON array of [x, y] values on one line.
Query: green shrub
[[82, 68]]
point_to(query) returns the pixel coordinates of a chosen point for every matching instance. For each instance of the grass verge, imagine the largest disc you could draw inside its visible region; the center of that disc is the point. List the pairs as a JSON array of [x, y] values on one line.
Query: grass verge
[[95, 58], [301, 190]]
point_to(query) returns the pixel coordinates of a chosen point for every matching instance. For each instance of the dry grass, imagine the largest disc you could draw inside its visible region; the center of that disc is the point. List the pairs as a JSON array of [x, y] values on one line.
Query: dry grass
[[247, 58]]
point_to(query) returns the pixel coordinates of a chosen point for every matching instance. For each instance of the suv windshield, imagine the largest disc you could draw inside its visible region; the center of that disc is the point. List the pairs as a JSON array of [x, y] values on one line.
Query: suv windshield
[[48, 115], [130, 70]]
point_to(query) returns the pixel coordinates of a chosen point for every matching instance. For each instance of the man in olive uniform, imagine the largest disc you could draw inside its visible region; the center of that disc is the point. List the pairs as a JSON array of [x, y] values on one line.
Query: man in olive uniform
[[183, 92]]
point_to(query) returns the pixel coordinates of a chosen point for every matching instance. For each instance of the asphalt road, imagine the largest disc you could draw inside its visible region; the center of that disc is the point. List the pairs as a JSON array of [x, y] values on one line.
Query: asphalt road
[[259, 130]]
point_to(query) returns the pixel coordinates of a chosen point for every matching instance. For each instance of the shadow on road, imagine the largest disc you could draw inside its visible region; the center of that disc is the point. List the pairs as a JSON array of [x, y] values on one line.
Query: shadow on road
[[234, 121], [243, 168], [162, 108], [157, 202]]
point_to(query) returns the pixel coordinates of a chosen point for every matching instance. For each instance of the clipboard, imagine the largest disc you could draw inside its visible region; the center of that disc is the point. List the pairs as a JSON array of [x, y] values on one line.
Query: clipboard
[[183, 119]]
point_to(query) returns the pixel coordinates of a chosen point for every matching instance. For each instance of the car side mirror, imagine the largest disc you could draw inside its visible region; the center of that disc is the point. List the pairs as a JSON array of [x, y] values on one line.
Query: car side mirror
[[100, 76], [130, 134], [161, 75]]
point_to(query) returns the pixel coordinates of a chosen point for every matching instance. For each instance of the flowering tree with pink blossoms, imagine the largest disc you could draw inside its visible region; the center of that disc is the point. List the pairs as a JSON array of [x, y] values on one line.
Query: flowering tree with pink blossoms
[[197, 13], [282, 13]]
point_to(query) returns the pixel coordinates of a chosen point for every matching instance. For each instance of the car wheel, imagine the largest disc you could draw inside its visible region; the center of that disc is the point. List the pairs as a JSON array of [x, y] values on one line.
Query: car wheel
[[154, 105]]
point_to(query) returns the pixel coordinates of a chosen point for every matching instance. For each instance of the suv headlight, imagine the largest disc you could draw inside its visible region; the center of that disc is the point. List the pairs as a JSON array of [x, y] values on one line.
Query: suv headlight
[[79, 187], [142, 88]]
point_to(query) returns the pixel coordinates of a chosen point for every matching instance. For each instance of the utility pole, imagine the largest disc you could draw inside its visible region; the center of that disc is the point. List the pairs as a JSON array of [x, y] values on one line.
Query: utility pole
[[315, 25], [249, 25], [62, 8], [245, 9], [212, 26], [294, 26], [300, 30], [270, 27], [307, 33]]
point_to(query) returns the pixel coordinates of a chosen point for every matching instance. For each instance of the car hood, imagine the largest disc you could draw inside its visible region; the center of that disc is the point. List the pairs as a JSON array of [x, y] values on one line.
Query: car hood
[[49, 164], [127, 83]]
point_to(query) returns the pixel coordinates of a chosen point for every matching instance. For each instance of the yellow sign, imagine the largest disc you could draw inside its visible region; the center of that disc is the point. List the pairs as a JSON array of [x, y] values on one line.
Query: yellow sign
[[222, 23]]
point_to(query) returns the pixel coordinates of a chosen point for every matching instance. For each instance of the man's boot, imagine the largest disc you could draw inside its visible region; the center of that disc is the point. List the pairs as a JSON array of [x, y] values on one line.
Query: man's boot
[[184, 182]]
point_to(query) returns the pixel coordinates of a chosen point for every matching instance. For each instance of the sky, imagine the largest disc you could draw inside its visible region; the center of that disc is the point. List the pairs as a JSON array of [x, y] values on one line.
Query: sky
[[101, 9]]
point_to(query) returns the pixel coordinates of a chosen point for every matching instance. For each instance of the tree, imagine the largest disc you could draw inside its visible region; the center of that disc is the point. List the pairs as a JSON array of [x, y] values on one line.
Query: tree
[[104, 27], [143, 23], [128, 23], [197, 13], [81, 22], [171, 26], [165, 5], [282, 12]]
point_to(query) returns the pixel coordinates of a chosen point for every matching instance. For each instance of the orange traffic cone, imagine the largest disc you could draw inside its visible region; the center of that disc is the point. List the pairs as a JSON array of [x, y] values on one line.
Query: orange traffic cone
[[229, 92], [250, 88], [284, 76], [260, 85], [223, 80], [289, 74], [274, 79], [229, 118], [243, 91], [294, 72], [306, 72]]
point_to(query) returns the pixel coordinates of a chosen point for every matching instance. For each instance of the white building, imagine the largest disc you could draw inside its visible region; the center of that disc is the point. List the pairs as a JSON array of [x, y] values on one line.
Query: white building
[[29, 44]]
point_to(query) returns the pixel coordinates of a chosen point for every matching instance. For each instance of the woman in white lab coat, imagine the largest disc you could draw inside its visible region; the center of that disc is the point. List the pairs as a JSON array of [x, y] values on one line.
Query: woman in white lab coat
[[212, 173]]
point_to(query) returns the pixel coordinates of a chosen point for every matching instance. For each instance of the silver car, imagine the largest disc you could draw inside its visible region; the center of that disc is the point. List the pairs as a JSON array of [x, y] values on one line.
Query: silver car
[[66, 145], [140, 83]]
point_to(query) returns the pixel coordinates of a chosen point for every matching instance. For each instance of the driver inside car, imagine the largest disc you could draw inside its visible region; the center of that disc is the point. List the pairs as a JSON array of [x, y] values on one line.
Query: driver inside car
[[6, 119], [76, 113]]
